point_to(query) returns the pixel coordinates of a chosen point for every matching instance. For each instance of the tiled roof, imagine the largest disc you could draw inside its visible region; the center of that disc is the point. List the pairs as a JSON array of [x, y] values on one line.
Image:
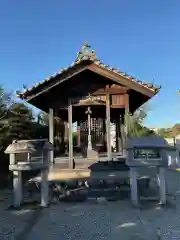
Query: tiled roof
[[87, 54]]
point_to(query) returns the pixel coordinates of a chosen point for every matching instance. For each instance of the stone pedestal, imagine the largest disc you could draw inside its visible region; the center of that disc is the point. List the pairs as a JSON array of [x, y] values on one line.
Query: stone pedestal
[[44, 188], [17, 188], [51, 132], [162, 184], [133, 185]]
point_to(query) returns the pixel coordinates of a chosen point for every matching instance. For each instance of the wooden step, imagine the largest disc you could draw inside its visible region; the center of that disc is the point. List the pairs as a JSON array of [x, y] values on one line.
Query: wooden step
[[57, 173]]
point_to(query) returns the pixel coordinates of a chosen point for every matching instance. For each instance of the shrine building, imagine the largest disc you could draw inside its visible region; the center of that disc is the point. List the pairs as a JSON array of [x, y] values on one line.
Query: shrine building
[[94, 97]]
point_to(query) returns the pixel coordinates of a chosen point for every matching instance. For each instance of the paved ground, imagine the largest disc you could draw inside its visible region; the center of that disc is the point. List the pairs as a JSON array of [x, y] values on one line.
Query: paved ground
[[112, 220]]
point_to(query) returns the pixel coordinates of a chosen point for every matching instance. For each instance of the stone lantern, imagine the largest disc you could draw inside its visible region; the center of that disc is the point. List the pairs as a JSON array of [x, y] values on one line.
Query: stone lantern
[[28, 155], [144, 153]]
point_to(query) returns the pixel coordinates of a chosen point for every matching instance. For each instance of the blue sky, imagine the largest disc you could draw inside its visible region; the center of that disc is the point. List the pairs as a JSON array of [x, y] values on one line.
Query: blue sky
[[141, 37]]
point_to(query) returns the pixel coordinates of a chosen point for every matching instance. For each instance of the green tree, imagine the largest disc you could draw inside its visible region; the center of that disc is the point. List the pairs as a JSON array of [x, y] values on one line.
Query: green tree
[[38, 130], [20, 119], [135, 123], [170, 132], [43, 118], [164, 132], [5, 102], [59, 130]]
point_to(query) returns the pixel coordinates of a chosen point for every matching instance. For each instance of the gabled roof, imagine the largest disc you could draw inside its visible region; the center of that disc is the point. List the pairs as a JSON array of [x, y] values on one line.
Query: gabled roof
[[87, 57]]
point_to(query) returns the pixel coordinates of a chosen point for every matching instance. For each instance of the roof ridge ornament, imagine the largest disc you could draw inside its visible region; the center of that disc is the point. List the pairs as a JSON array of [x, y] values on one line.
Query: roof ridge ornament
[[86, 44], [86, 53]]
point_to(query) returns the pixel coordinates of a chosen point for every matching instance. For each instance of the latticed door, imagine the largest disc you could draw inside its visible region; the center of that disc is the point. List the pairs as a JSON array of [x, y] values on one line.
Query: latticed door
[[97, 132]]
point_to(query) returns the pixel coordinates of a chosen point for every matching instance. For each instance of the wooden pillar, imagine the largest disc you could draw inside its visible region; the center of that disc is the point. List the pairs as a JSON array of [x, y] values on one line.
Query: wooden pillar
[[51, 132], [70, 134], [126, 112], [118, 136], [124, 127], [122, 132], [78, 134], [108, 129], [120, 142], [117, 142]]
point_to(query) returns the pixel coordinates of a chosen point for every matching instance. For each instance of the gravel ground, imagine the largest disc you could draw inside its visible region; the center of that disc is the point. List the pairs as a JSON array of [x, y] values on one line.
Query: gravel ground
[[112, 220], [106, 220], [14, 223]]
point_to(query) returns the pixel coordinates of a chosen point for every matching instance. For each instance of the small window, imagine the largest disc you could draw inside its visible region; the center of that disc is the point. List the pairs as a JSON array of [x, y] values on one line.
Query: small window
[[146, 153]]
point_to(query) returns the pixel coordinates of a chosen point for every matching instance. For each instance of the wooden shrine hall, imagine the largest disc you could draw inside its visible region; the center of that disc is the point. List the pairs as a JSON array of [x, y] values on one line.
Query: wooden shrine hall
[[91, 97]]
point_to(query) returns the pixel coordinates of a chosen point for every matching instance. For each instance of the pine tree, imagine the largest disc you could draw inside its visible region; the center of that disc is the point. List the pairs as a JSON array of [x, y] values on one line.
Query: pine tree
[[5, 101], [20, 118]]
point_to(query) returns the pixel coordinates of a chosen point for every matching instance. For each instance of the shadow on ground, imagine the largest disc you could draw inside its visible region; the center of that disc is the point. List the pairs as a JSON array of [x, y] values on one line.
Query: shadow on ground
[[15, 223]]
